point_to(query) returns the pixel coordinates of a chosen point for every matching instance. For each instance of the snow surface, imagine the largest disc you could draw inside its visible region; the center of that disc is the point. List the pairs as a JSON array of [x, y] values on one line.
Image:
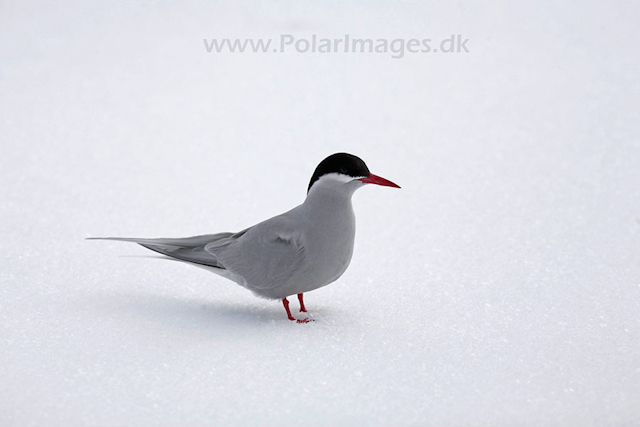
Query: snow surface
[[500, 286]]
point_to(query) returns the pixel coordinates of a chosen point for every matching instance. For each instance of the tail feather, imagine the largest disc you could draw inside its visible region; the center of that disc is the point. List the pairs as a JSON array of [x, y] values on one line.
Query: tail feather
[[195, 255], [182, 242], [190, 249]]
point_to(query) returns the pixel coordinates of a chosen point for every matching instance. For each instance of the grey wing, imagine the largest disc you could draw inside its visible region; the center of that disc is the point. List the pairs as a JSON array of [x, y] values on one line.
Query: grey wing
[[189, 249], [265, 256]]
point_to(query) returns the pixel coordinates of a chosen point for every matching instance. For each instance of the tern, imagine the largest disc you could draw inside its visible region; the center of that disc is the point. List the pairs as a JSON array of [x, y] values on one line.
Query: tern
[[298, 251]]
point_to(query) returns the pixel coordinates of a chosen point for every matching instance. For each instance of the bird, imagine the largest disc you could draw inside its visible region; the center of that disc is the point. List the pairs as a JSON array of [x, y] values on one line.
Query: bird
[[303, 249]]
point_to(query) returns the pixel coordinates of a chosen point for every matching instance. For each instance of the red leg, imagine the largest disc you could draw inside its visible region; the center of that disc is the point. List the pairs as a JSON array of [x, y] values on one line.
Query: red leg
[[285, 302], [302, 307]]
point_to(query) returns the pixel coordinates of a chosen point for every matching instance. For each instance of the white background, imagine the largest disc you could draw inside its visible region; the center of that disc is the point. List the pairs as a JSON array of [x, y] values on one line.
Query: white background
[[500, 286]]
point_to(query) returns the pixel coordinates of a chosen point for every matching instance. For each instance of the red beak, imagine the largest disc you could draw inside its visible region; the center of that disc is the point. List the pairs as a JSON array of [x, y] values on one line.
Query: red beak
[[375, 179]]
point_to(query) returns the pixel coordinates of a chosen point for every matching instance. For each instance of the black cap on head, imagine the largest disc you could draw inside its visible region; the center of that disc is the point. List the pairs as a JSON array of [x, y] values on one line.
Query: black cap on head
[[344, 163]]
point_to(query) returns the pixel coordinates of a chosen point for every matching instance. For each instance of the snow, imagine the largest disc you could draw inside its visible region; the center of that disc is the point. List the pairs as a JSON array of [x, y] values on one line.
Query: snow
[[500, 286]]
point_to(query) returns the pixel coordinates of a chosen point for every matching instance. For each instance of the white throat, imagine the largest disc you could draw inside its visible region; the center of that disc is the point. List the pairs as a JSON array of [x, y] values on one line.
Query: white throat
[[334, 185]]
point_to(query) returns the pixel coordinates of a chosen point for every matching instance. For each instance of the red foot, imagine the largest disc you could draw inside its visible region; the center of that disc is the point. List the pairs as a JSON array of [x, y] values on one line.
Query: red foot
[[285, 302]]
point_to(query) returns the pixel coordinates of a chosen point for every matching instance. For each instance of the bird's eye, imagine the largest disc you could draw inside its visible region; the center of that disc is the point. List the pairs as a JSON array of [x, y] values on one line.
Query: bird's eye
[[343, 170]]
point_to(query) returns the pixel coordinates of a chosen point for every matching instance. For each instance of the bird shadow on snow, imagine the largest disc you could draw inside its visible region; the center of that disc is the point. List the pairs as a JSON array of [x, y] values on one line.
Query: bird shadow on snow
[[204, 316], [170, 310], [196, 315], [200, 315]]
